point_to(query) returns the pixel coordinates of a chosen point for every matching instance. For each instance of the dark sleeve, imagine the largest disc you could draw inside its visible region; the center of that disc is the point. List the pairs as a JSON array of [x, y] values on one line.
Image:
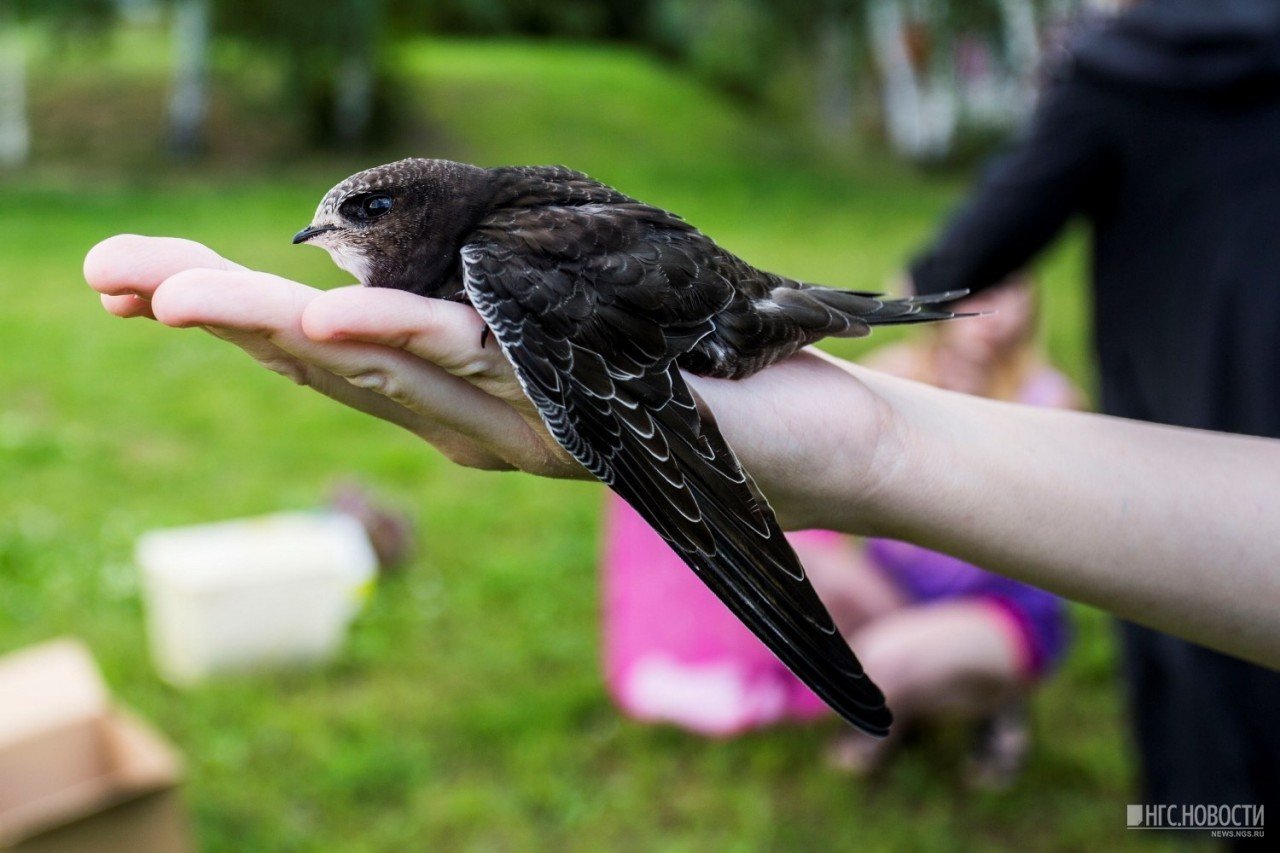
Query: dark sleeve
[[1025, 197]]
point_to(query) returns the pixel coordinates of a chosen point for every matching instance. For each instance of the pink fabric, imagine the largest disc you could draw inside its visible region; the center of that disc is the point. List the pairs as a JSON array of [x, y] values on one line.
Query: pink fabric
[[1049, 389], [674, 652]]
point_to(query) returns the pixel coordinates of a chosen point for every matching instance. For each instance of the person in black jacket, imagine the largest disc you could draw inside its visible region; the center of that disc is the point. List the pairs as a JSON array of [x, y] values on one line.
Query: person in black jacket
[[1162, 131]]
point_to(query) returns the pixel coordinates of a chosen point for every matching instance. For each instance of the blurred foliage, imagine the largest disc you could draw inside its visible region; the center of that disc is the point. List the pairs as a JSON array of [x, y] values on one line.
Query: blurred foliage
[[319, 44], [575, 19], [806, 61], [732, 45], [321, 32], [66, 16], [468, 710], [62, 21], [739, 43]]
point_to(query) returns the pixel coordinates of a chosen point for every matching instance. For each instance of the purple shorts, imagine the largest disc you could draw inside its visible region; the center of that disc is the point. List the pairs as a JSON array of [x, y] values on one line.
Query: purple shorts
[[1037, 619]]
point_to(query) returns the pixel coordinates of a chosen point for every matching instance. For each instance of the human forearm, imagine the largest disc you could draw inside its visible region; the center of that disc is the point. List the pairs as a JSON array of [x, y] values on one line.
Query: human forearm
[[1172, 528]]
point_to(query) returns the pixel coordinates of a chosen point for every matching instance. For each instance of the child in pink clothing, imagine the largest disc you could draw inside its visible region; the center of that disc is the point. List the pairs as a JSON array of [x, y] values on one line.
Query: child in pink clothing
[[674, 653]]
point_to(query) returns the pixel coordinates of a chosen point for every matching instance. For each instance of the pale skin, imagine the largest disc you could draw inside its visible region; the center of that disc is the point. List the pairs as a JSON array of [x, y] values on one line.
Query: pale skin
[[1171, 528]]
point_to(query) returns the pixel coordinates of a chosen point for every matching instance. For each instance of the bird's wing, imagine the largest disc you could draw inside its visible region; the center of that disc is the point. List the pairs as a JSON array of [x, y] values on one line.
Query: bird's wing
[[593, 335]]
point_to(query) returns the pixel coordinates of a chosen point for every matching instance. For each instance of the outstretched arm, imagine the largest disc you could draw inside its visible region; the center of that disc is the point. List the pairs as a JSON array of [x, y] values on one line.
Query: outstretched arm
[[1169, 527], [1172, 528]]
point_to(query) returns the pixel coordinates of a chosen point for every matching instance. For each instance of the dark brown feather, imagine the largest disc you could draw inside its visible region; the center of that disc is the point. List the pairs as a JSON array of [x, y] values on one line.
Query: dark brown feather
[[599, 301]]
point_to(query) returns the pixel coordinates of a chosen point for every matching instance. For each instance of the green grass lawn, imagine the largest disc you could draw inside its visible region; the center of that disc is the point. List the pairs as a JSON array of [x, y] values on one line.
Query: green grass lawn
[[468, 708]]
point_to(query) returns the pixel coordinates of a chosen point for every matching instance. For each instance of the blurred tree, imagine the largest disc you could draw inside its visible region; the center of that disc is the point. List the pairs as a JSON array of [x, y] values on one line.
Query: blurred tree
[[917, 89], [935, 67], [950, 65], [189, 98], [833, 78], [745, 46], [827, 35], [997, 56], [331, 54], [582, 19], [733, 44], [15, 133], [355, 77], [64, 19]]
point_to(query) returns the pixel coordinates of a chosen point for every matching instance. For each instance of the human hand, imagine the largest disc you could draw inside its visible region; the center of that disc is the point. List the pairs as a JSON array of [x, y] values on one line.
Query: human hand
[[412, 361], [807, 430]]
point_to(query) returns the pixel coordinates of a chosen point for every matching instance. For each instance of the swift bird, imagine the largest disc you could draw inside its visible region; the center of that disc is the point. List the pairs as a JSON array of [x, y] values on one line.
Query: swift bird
[[599, 301]]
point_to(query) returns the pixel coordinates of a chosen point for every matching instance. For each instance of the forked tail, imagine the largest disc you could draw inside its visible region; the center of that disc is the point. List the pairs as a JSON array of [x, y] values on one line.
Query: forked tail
[[821, 312]]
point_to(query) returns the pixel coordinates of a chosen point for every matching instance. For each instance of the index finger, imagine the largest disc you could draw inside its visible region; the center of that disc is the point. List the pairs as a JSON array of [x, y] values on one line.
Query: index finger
[[130, 264]]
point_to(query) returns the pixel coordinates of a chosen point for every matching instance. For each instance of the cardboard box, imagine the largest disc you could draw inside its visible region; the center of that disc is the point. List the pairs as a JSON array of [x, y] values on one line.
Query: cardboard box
[[78, 773]]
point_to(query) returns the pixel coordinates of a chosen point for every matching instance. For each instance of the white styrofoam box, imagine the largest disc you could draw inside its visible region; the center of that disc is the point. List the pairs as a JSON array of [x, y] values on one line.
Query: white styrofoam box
[[276, 589]]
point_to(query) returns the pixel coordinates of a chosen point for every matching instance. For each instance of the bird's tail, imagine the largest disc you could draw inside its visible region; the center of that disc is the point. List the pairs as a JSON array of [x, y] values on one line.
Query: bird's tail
[[794, 315], [918, 309], [821, 312]]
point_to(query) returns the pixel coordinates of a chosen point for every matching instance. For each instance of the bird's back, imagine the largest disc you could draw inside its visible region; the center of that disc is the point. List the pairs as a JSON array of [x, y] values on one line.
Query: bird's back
[[615, 241]]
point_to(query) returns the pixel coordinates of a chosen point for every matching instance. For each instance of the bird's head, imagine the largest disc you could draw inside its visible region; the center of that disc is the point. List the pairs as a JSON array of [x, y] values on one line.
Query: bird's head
[[401, 224]]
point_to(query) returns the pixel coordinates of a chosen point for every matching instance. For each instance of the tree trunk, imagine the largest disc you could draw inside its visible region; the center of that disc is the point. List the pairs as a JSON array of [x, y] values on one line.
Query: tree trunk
[[919, 99], [15, 133], [353, 100], [833, 75], [189, 101], [1022, 46]]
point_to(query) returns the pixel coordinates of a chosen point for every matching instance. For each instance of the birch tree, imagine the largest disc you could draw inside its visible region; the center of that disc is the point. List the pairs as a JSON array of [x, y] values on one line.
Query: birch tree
[[834, 71], [917, 89], [15, 132], [19, 22], [189, 97], [330, 55]]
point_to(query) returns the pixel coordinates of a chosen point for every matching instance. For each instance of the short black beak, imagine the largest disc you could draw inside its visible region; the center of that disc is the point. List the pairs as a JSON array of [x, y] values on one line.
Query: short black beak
[[310, 231]]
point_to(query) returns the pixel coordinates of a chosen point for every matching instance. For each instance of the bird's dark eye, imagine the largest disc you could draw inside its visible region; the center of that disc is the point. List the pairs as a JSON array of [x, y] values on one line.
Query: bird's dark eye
[[375, 205], [367, 207]]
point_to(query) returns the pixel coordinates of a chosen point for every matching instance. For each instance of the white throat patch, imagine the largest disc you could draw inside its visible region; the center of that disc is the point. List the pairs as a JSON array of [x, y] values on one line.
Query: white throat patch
[[345, 259]]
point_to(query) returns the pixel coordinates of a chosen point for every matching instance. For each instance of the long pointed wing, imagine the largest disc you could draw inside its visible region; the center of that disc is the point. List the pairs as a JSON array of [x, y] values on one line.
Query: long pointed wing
[[593, 338]]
